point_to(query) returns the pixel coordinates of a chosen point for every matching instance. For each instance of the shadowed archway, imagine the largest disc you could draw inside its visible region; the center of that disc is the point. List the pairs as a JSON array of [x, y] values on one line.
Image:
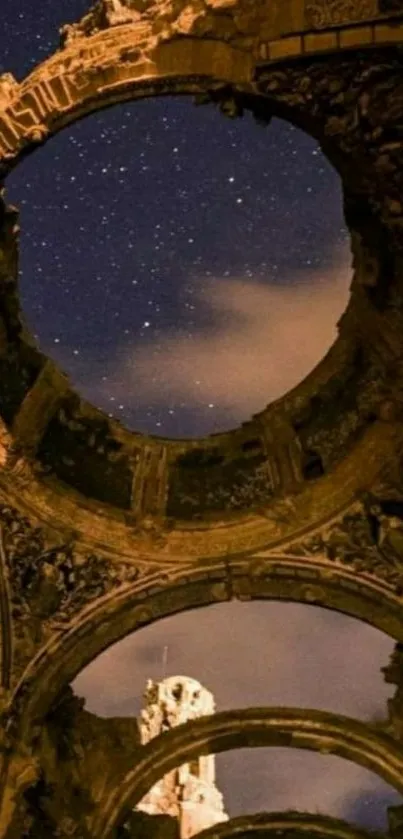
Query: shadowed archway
[[349, 96], [115, 616], [253, 727]]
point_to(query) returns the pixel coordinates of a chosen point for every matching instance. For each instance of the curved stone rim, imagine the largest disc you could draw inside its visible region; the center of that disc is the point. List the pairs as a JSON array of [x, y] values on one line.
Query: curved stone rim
[[251, 728], [178, 67], [277, 824], [187, 587], [100, 528], [64, 88]]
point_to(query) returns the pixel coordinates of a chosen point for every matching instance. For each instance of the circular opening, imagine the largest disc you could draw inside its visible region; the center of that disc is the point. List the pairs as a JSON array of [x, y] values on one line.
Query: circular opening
[[183, 269]]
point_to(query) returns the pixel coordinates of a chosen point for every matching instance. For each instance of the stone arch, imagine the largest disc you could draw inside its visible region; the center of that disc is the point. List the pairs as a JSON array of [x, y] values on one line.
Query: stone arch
[[109, 67], [258, 72], [131, 607], [285, 825], [252, 727], [100, 68]]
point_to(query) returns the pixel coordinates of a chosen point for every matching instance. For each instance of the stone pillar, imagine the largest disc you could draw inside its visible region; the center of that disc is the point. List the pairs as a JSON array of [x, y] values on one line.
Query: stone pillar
[[188, 793]]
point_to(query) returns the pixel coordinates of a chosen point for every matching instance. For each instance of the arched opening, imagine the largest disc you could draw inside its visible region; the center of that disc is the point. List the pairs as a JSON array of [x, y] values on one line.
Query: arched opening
[[263, 654], [248, 654], [114, 616], [280, 780], [179, 266], [281, 787], [312, 730], [71, 434]]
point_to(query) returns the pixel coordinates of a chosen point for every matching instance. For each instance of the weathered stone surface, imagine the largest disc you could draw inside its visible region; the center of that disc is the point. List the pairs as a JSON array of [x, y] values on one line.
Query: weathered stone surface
[[75, 775], [368, 539], [142, 826], [322, 13], [81, 451], [254, 727], [104, 463], [49, 583], [205, 482], [103, 531], [189, 793]]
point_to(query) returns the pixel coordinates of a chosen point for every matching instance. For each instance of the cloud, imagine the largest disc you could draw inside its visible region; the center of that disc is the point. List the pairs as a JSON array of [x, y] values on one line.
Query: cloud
[[282, 779], [255, 341]]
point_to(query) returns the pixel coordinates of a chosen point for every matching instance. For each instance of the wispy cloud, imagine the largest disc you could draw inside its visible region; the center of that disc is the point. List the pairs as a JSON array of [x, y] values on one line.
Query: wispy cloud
[[257, 341], [252, 342]]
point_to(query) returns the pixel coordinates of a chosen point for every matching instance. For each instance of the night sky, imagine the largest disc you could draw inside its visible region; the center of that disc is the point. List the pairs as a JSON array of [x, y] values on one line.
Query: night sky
[[184, 270]]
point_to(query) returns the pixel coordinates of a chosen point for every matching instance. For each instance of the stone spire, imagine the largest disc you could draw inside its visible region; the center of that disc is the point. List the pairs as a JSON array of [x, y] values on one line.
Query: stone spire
[[188, 793]]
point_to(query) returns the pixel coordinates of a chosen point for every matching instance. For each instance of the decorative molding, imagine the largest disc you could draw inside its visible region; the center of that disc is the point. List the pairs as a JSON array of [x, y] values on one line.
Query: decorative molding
[[49, 583], [323, 13], [368, 538]]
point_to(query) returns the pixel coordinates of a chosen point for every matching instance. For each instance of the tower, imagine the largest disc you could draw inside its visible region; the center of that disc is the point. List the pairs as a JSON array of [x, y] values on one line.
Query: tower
[[189, 793]]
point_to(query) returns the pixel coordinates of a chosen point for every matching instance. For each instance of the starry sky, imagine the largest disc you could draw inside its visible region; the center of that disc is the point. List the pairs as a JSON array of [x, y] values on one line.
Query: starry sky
[[185, 270], [177, 264]]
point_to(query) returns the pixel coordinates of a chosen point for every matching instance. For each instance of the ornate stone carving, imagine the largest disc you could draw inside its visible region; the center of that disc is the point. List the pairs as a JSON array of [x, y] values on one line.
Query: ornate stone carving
[[168, 18], [8, 89], [368, 538], [103, 14], [41, 575], [50, 583], [322, 13]]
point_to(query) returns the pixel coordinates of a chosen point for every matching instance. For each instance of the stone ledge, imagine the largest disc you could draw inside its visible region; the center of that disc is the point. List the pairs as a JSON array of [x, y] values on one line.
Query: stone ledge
[[332, 40]]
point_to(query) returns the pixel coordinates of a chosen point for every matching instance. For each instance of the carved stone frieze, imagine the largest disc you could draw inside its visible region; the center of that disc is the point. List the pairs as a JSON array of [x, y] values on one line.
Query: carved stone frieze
[[368, 538], [8, 89], [227, 19], [323, 13], [50, 583], [103, 14]]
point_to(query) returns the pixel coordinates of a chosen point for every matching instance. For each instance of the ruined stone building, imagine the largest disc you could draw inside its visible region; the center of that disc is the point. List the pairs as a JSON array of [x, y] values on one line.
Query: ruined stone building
[[188, 794], [104, 531]]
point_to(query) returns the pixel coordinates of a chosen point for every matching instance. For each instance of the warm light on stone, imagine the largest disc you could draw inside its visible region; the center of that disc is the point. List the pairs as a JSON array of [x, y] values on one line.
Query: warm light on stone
[[189, 793]]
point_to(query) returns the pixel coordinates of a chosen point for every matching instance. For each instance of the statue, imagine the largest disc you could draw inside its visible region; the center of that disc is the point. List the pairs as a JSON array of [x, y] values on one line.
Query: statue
[[386, 521]]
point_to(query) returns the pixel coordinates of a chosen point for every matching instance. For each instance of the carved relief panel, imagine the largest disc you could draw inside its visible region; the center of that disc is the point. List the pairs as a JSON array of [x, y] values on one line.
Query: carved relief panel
[[323, 13]]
